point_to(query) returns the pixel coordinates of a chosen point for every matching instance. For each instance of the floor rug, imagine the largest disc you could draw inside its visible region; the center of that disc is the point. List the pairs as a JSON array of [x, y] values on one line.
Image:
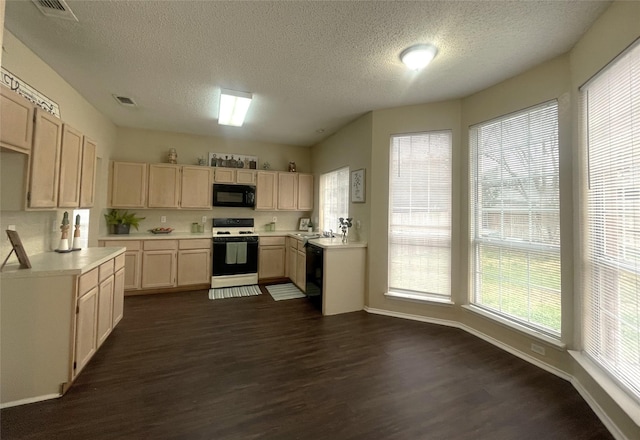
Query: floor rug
[[281, 292], [234, 292]]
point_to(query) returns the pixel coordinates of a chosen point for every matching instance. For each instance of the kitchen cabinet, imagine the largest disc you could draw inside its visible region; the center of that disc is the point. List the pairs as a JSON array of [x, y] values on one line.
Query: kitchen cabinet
[[70, 168], [246, 177], [271, 257], [266, 191], [118, 289], [105, 301], [131, 261], [305, 192], [159, 263], [301, 266], [194, 262], [128, 183], [235, 175], [88, 175], [288, 191], [196, 187], [16, 123], [164, 186], [45, 161], [51, 314], [292, 258]]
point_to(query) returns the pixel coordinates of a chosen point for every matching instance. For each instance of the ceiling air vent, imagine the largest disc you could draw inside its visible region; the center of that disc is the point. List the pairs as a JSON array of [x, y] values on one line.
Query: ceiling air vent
[[125, 101], [55, 8]]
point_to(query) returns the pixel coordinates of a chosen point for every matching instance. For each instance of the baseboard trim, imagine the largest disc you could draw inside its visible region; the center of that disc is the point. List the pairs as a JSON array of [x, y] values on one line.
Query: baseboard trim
[[29, 400], [597, 409]]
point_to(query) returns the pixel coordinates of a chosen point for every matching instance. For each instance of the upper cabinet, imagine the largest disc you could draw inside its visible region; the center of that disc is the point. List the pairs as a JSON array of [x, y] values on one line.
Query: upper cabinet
[[305, 192], [88, 175], [266, 191], [128, 181], [164, 186], [197, 187], [235, 175], [70, 168], [45, 161], [288, 191], [16, 123]]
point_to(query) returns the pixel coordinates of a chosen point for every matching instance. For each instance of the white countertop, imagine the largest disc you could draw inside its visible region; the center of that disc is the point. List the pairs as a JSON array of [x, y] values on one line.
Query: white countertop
[[69, 263]]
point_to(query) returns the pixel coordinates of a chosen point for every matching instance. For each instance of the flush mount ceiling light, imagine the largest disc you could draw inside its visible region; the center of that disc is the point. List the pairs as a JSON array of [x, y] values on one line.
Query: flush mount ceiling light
[[233, 107], [418, 56]]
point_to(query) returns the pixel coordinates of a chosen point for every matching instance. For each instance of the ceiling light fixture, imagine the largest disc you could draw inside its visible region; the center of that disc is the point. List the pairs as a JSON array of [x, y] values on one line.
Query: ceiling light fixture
[[419, 56], [233, 107]]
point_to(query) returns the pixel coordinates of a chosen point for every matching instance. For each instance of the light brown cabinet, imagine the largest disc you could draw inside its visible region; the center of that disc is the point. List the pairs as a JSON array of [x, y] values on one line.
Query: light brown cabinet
[[246, 177], [292, 258], [301, 267], [105, 301], [194, 262], [305, 192], [288, 191], [16, 123], [86, 330], [44, 172], [235, 175], [128, 183], [164, 186], [159, 263], [196, 187], [70, 168], [118, 289], [271, 257], [131, 261], [88, 175], [266, 191]]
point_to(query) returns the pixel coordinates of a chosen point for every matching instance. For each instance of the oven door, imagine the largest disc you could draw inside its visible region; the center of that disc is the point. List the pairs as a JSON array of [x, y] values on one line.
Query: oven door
[[235, 256]]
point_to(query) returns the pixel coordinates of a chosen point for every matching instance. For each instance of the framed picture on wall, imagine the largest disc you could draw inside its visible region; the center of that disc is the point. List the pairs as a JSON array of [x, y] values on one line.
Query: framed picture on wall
[[358, 186]]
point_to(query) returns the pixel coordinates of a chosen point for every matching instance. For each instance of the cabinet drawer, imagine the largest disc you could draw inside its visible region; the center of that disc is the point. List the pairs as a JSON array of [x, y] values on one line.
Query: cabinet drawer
[[106, 270], [158, 245], [119, 262], [272, 241], [87, 281], [131, 245], [200, 243]]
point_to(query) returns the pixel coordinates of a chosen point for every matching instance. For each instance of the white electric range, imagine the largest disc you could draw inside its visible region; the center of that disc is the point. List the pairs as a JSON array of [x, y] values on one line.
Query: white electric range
[[235, 252]]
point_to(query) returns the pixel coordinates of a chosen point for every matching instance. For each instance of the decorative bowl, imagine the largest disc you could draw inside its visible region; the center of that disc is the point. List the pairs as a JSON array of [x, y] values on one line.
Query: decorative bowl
[[161, 230]]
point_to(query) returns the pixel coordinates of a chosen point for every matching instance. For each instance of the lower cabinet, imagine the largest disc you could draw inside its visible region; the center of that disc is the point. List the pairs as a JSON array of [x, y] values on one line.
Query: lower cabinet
[[164, 263], [301, 267], [271, 257], [86, 340], [292, 259], [105, 301]]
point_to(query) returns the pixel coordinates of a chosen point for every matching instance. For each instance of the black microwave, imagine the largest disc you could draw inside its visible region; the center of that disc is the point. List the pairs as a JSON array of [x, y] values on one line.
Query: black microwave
[[242, 196]]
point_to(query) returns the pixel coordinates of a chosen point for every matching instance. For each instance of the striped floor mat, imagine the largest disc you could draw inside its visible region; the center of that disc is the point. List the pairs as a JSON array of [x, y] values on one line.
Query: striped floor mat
[[234, 292], [281, 292]]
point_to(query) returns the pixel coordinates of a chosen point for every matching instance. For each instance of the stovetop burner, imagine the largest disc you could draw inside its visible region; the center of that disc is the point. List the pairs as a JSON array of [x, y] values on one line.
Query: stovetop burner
[[233, 227]]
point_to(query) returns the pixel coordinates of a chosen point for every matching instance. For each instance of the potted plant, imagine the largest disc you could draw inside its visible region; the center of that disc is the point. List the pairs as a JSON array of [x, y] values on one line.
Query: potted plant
[[120, 222]]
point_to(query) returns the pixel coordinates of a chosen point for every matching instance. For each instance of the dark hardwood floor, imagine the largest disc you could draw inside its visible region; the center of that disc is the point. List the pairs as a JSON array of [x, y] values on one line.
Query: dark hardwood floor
[[180, 366]]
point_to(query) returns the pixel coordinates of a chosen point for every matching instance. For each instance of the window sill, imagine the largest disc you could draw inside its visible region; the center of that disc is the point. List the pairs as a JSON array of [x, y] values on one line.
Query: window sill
[[627, 403], [555, 343], [430, 299]]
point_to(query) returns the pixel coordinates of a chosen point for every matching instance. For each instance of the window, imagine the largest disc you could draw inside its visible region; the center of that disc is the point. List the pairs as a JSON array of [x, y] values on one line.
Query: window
[[420, 214], [611, 222], [515, 226], [334, 198]]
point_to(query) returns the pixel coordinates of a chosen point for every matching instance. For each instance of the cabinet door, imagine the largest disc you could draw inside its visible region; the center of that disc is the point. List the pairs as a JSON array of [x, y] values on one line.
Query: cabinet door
[[132, 261], [266, 190], [246, 177], [271, 262], [86, 330], [164, 186], [88, 175], [196, 188], [105, 309], [16, 123], [194, 267], [305, 192], [70, 168], [118, 297], [159, 268], [128, 185], [225, 175], [45, 161], [288, 191], [292, 258], [301, 268]]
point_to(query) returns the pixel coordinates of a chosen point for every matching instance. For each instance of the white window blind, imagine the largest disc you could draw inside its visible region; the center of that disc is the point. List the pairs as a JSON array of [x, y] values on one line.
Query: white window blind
[[515, 230], [420, 214], [334, 198], [611, 279]]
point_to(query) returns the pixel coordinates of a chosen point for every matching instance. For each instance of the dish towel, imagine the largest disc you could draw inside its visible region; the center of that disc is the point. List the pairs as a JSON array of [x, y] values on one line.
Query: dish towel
[[231, 256], [241, 253]]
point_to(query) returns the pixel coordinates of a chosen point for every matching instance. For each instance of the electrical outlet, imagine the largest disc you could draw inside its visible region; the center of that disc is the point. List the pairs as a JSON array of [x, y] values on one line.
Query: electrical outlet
[[204, 219], [274, 219], [538, 349], [163, 219]]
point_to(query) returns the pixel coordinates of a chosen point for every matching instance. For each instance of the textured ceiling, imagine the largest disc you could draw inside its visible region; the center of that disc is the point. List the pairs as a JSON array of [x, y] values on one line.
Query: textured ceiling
[[310, 65]]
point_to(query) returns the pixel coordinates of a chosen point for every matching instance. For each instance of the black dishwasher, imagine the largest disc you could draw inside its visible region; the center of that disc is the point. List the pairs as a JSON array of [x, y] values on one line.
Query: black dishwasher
[[315, 261]]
